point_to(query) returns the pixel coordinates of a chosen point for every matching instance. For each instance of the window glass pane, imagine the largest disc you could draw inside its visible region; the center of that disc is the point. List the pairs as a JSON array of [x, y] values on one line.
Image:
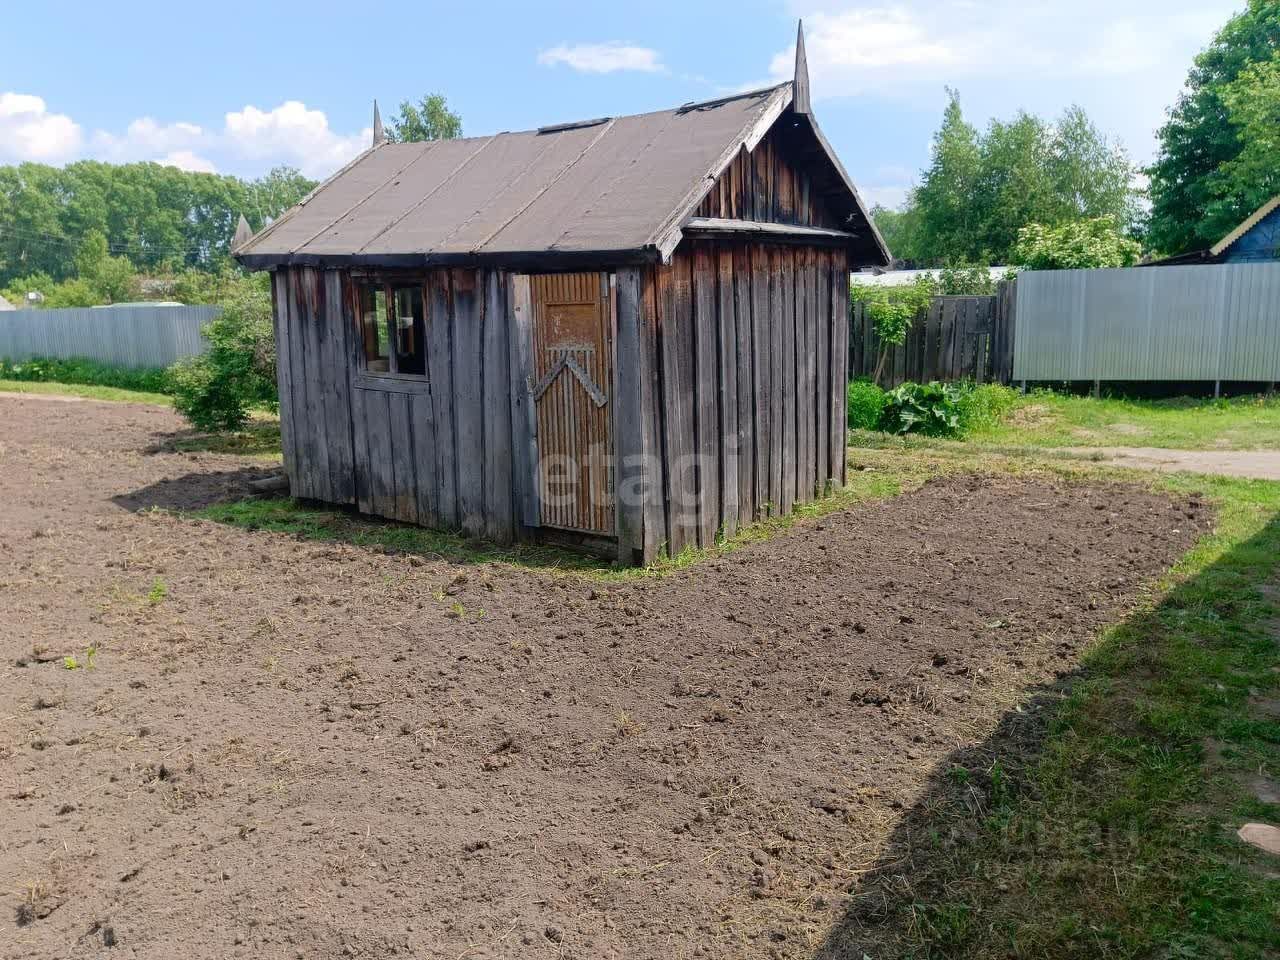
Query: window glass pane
[[377, 338], [411, 342]]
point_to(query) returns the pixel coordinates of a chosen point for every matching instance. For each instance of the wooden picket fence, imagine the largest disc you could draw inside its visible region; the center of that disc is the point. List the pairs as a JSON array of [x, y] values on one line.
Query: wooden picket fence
[[956, 338]]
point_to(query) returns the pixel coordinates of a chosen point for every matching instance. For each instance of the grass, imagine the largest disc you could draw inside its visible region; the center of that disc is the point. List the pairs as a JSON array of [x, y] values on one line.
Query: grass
[[86, 372], [87, 391], [1106, 828], [1046, 419], [311, 522], [259, 439]]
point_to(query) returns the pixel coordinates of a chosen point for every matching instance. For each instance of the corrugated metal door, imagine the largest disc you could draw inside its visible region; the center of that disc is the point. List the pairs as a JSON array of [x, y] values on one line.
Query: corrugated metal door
[[572, 390]]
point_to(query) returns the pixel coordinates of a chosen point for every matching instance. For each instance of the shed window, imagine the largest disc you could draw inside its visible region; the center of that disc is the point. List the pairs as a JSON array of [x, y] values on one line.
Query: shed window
[[393, 328], [410, 324], [373, 325]]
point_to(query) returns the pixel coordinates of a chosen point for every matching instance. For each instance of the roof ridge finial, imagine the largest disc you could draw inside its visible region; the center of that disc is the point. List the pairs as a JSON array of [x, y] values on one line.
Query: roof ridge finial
[[800, 85], [379, 134], [243, 234]]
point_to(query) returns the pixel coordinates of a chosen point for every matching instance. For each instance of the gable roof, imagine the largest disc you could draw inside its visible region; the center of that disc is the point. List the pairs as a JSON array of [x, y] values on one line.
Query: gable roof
[[607, 191], [1225, 244], [6, 305]]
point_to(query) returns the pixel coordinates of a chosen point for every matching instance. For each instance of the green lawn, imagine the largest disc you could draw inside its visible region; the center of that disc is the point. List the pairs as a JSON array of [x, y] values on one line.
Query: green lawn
[[1045, 419], [116, 394]]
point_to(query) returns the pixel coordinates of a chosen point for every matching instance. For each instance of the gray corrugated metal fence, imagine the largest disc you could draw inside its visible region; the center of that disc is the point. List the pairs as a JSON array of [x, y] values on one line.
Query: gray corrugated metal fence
[[127, 336], [1213, 322]]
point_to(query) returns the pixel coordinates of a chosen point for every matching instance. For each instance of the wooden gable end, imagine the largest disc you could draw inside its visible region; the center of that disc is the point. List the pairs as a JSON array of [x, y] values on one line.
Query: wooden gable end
[[771, 184]]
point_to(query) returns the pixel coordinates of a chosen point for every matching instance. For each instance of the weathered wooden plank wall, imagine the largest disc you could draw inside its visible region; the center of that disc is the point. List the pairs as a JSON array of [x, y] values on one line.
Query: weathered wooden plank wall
[[312, 379], [728, 405], [750, 344], [441, 451], [956, 338], [767, 185]]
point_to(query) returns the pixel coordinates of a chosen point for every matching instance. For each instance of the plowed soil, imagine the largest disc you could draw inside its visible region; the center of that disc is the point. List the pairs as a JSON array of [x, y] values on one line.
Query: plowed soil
[[280, 748]]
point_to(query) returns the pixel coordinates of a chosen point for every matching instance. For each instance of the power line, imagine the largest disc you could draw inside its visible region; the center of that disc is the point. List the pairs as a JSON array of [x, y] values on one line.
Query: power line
[[138, 246]]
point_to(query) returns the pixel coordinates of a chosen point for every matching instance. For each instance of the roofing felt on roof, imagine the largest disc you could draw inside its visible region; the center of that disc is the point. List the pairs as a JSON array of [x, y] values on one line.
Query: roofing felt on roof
[[616, 185]]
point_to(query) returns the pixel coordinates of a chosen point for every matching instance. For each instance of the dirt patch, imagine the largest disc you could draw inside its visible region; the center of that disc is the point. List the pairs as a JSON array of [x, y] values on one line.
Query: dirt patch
[[1031, 415], [1129, 429], [292, 749], [1259, 464]]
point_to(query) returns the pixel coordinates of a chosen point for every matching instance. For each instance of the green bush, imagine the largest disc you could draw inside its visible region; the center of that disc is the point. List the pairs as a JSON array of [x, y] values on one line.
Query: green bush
[[88, 372], [932, 409], [216, 390], [945, 409], [865, 404]]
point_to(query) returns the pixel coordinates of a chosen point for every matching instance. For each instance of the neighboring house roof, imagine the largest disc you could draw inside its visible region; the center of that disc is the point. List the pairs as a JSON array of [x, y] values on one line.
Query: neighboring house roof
[[901, 278], [1223, 245], [610, 190], [6, 305]]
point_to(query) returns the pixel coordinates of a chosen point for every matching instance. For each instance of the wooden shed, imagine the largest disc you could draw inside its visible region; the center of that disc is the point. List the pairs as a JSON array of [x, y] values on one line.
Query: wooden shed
[[627, 334]]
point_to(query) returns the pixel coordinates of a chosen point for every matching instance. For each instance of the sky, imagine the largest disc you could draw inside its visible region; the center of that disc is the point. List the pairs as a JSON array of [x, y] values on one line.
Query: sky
[[240, 87]]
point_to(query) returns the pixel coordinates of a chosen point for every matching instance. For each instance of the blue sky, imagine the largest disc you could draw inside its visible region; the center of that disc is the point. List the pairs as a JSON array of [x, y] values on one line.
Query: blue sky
[[238, 87]]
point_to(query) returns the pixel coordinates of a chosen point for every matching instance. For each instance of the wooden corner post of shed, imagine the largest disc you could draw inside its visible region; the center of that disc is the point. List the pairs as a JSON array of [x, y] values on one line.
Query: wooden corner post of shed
[[631, 465]]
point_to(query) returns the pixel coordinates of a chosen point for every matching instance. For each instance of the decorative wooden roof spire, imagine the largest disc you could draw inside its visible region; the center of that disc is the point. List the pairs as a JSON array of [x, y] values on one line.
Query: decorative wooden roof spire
[[379, 134], [800, 86], [243, 234]]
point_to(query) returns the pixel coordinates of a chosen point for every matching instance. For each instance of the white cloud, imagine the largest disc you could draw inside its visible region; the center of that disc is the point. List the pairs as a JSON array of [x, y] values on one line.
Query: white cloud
[[250, 141], [28, 131], [146, 139], [187, 160], [1123, 62], [292, 134], [603, 58], [866, 40]]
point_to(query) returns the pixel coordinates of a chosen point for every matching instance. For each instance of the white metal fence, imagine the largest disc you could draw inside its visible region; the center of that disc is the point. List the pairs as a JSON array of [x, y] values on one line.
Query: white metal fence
[[126, 336], [1214, 322]]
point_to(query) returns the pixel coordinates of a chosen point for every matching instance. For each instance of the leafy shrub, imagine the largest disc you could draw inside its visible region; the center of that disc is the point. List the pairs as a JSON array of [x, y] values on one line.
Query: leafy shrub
[[965, 280], [945, 410], [89, 372], [892, 311], [865, 404], [216, 390], [1077, 245], [932, 409]]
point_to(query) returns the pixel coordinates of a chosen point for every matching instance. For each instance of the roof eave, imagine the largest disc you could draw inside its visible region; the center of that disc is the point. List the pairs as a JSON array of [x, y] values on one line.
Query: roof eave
[[504, 260], [1227, 242]]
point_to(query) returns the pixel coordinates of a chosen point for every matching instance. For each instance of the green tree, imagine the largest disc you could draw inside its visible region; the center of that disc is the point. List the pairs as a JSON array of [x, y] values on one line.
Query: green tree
[[111, 279], [1194, 200], [159, 218], [892, 311], [900, 229], [271, 195], [981, 188], [945, 196], [1252, 177], [429, 119], [1078, 245]]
